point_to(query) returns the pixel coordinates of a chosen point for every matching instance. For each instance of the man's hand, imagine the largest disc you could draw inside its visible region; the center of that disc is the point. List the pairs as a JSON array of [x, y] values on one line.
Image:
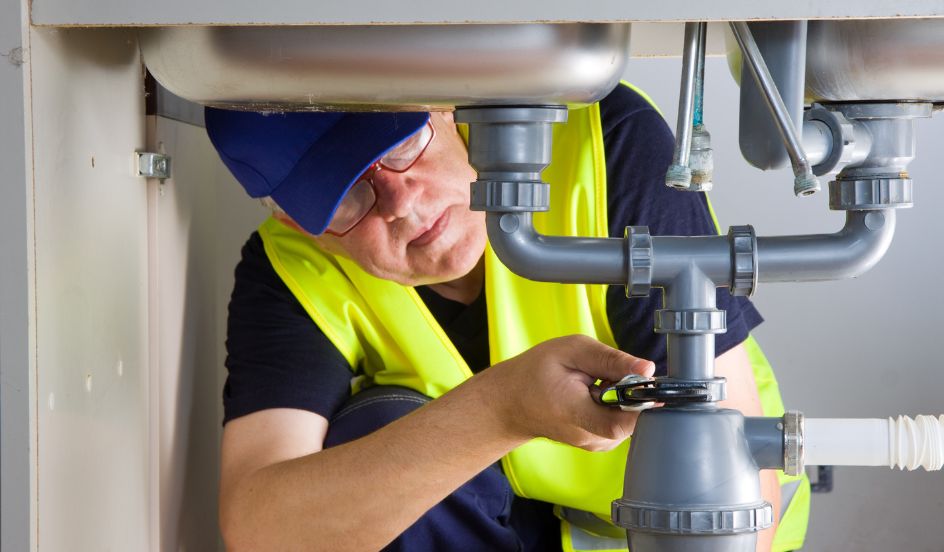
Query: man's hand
[[280, 491], [546, 392]]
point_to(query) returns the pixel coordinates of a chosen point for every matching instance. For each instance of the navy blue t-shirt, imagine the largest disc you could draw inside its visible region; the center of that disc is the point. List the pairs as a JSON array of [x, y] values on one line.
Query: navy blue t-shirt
[[278, 358]]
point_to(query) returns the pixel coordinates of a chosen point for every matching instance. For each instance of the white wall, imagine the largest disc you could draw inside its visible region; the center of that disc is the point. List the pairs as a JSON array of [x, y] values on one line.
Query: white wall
[[132, 279], [91, 279], [861, 348], [199, 220]]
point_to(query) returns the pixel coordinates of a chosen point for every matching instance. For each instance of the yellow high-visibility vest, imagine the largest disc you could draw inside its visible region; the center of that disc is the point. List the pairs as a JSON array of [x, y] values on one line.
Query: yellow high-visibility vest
[[387, 334]]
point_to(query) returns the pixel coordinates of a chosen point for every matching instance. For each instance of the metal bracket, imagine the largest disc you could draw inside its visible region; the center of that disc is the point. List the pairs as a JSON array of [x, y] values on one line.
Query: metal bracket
[[823, 483], [153, 165]]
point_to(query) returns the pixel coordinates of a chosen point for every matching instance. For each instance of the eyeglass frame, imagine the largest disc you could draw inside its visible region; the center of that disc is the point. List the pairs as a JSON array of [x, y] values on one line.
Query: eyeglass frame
[[375, 167]]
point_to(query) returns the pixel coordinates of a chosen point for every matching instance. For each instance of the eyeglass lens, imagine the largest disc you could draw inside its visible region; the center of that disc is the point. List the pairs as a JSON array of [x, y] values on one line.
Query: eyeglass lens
[[405, 154], [358, 200], [361, 197]]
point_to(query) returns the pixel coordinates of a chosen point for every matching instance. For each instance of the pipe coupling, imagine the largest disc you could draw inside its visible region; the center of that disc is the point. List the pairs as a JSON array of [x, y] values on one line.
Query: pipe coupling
[[871, 194], [645, 518], [743, 260], [843, 139], [639, 257], [691, 322], [793, 461], [701, 160], [507, 197]]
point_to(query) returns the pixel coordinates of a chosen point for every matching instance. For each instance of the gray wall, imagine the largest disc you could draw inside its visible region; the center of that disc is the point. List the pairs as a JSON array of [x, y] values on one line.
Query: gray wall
[[861, 348], [15, 338]]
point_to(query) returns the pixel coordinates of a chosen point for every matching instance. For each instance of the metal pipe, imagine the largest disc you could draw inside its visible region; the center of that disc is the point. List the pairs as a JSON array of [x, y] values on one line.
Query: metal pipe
[[698, 107], [679, 174], [701, 161], [848, 253], [804, 182]]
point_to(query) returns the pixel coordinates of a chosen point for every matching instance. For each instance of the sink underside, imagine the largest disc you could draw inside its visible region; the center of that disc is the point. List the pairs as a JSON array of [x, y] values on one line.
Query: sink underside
[[388, 67]]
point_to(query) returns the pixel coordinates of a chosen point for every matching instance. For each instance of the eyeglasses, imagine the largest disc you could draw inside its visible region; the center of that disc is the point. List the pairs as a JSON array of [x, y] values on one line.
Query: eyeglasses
[[362, 197]]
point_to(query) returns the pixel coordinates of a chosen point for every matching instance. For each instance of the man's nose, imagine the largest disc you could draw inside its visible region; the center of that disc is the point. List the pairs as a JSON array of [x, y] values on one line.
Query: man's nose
[[396, 194]]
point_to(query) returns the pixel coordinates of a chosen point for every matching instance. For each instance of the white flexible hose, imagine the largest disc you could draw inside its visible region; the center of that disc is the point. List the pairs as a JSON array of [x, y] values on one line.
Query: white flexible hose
[[918, 442], [903, 442]]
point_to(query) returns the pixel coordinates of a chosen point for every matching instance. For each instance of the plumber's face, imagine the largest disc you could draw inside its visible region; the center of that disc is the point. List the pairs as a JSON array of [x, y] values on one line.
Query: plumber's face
[[421, 230]]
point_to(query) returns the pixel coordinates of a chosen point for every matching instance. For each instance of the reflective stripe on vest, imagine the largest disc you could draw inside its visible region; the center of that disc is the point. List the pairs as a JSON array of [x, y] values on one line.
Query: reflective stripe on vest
[[389, 337]]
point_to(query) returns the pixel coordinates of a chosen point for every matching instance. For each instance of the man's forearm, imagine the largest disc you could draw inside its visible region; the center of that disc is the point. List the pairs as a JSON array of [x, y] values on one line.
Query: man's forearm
[[362, 494]]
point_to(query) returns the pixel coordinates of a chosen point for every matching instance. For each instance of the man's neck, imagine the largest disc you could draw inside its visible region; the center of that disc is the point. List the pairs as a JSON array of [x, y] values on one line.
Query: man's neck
[[464, 289]]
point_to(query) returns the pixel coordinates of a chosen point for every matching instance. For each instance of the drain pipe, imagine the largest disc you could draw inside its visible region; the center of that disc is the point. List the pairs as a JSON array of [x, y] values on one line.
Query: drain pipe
[[532, 255], [848, 253], [701, 462]]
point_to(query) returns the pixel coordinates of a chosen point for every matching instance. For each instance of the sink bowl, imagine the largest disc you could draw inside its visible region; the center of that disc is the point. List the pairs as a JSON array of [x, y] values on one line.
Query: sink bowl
[[896, 59], [410, 67]]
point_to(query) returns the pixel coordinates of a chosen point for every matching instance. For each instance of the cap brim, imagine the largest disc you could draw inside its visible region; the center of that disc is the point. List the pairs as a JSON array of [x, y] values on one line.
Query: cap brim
[[310, 194]]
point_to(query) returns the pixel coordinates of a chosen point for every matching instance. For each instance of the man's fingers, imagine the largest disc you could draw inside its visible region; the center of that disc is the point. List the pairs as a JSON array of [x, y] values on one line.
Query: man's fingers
[[603, 362], [607, 423]]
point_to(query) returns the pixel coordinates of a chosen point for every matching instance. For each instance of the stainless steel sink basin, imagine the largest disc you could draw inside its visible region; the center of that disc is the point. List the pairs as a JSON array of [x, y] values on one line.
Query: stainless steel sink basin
[[875, 59], [869, 60], [388, 67]]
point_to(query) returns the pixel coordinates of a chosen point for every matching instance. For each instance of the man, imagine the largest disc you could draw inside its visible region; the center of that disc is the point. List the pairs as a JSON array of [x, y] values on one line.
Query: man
[[374, 268]]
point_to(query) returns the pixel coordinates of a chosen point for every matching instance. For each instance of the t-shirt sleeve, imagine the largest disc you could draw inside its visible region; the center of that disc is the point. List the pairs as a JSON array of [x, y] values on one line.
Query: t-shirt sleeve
[[277, 357], [639, 147]]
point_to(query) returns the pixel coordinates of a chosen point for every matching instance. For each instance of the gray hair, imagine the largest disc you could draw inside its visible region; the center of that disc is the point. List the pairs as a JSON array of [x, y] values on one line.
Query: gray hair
[[270, 204]]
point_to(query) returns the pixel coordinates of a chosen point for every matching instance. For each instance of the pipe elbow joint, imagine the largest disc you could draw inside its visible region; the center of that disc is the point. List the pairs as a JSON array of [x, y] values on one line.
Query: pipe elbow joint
[[562, 259], [515, 243], [869, 235]]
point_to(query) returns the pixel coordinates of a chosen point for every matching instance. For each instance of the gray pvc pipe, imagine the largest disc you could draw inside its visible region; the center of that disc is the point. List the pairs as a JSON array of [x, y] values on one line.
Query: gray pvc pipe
[[555, 258], [765, 438], [689, 269], [848, 253], [690, 356], [674, 255]]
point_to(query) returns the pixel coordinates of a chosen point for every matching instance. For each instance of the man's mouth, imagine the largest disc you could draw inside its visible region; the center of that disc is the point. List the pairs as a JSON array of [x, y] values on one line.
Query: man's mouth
[[429, 234]]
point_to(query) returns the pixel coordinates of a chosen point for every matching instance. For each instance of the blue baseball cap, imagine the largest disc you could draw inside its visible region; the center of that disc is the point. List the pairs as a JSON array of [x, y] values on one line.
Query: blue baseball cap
[[306, 161]]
